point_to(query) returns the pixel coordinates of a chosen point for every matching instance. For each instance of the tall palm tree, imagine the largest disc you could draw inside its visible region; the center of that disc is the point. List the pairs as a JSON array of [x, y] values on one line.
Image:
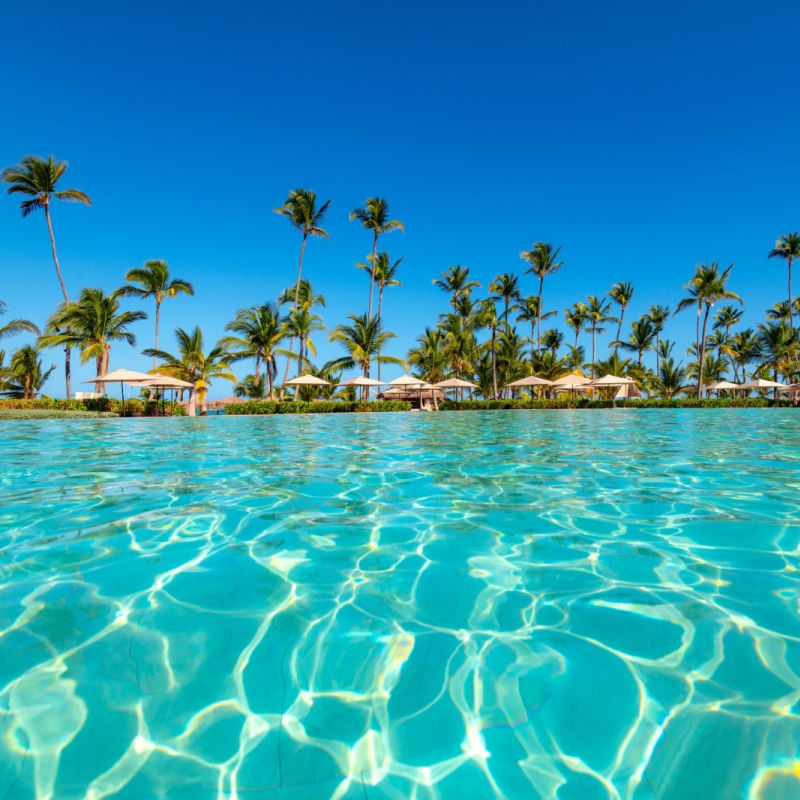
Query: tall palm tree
[[505, 288], [152, 280], [259, 331], [706, 288], [597, 312], [374, 216], [300, 208], [542, 260], [15, 326], [37, 179], [658, 315], [455, 281], [92, 323], [363, 341], [195, 366], [385, 272], [788, 248], [622, 294]]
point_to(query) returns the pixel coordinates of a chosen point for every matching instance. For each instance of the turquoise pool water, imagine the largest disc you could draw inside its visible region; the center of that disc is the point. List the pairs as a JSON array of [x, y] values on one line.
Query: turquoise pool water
[[571, 605]]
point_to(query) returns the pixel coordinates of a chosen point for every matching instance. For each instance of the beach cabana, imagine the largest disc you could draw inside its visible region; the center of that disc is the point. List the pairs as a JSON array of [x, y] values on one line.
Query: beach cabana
[[574, 382], [626, 387], [409, 388]]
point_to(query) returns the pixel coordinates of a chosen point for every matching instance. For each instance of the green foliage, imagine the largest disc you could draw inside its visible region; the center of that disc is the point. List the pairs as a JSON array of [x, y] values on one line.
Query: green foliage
[[324, 407], [99, 406]]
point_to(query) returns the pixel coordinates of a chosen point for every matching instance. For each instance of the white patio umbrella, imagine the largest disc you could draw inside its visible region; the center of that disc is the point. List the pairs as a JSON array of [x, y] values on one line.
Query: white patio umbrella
[[720, 386], [363, 382], [121, 376], [306, 380], [157, 381], [760, 383], [455, 383]]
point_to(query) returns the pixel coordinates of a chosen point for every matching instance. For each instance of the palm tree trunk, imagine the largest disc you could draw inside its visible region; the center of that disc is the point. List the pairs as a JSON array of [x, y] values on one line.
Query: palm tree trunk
[[296, 303], [619, 327], [380, 320], [67, 351], [158, 314], [657, 371], [539, 317], [791, 315], [594, 348], [702, 352], [372, 273], [494, 364]]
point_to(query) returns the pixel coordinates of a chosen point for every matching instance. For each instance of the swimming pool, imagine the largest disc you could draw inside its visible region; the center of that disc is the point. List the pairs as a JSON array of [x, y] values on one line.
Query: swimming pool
[[572, 604]]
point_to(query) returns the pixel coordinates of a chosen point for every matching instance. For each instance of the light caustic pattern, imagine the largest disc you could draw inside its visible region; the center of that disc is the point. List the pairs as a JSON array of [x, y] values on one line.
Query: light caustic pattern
[[591, 604]]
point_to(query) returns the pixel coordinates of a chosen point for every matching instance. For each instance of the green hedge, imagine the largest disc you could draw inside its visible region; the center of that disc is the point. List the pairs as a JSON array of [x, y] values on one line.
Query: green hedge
[[324, 407], [100, 405], [583, 402]]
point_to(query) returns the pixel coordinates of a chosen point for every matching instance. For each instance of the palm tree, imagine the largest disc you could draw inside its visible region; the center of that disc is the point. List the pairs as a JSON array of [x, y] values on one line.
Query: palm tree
[[260, 330], [25, 376], [505, 287], [300, 208], [529, 312], [91, 323], [788, 248], [743, 348], [456, 282], [428, 357], [375, 217], [193, 365], [576, 317], [671, 378], [706, 288], [384, 272], [779, 348], [37, 178], [658, 315], [622, 294], [641, 339], [552, 339], [300, 325], [596, 313], [363, 341], [542, 260], [152, 280], [15, 326]]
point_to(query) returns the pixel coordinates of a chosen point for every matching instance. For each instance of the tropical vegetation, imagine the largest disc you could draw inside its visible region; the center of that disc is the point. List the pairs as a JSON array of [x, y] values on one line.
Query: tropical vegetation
[[488, 336]]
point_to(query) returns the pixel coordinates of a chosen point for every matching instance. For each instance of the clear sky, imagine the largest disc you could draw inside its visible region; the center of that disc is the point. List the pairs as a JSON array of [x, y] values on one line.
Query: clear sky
[[644, 138]]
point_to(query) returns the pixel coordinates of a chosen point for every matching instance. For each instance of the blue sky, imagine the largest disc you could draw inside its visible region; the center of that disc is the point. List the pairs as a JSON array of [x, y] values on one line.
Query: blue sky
[[643, 138]]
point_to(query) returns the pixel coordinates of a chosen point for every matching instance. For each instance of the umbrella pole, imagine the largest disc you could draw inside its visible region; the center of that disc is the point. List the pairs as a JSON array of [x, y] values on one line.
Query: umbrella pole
[[122, 389]]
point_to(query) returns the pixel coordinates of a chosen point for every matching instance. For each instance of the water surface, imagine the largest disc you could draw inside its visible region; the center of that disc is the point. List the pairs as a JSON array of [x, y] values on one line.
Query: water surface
[[566, 604]]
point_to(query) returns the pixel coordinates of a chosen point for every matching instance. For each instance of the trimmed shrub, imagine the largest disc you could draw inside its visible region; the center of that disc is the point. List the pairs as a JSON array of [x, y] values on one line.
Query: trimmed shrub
[[324, 407]]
